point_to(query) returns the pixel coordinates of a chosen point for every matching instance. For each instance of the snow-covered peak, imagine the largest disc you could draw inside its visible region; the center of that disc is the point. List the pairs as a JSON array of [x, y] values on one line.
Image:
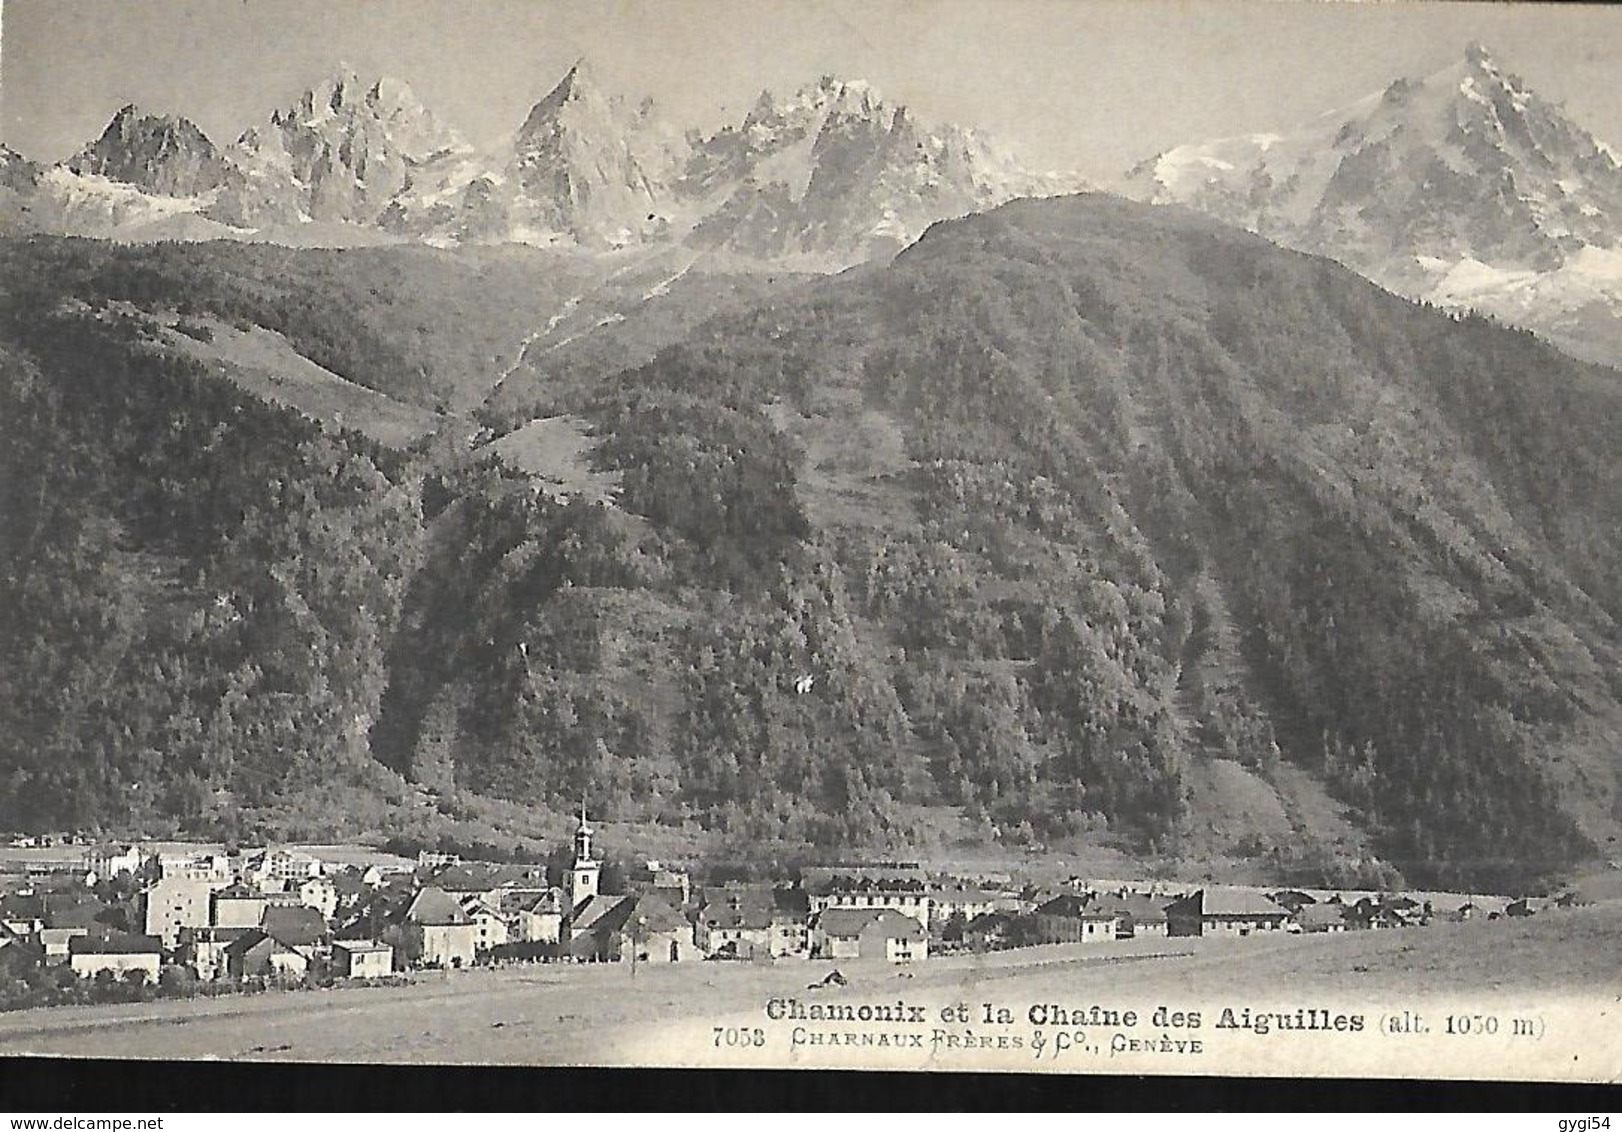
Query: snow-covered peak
[[342, 89], [856, 97], [811, 105], [834, 171], [1465, 161], [392, 96], [342, 151], [1460, 182], [830, 171]]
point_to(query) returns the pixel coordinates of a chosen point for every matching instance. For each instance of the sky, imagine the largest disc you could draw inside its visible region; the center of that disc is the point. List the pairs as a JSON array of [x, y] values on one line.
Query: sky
[[1086, 85]]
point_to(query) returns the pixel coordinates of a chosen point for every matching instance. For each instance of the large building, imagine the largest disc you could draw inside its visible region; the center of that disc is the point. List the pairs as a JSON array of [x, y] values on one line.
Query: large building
[[1224, 912], [897, 888], [868, 933], [118, 952], [1072, 918], [445, 933], [174, 903]]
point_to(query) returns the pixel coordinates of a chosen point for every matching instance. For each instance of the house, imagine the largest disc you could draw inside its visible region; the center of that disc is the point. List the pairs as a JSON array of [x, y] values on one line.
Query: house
[[215, 868], [173, 903], [237, 907], [1227, 911], [377, 912], [868, 933], [18, 957], [674, 882], [836, 933], [1071, 918], [735, 922], [490, 881], [53, 943], [107, 861], [258, 953], [318, 893], [752, 921], [203, 950], [1314, 918], [118, 952], [278, 870], [348, 889], [66, 917], [362, 959], [445, 933], [790, 927], [1369, 914], [1139, 915], [22, 914], [655, 932], [533, 918], [991, 931], [490, 928], [1293, 899], [298, 928], [472, 878]]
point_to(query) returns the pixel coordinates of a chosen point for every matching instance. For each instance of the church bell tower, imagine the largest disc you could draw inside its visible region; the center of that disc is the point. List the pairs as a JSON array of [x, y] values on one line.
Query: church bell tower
[[583, 876]]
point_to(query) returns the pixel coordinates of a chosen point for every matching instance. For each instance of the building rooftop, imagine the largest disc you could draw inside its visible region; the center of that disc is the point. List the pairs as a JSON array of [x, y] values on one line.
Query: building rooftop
[[433, 905], [295, 926], [115, 943], [1075, 907], [1237, 902]]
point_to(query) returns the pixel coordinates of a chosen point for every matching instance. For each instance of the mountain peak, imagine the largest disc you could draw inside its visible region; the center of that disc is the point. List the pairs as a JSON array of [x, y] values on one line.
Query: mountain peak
[[342, 89], [130, 116], [579, 81], [389, 93], [846, 95], [1477, 55], [344, 74], [164, 154]]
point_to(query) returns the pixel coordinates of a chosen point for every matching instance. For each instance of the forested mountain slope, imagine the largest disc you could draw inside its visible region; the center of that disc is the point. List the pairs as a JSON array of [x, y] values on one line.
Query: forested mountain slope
[[1068, 509]]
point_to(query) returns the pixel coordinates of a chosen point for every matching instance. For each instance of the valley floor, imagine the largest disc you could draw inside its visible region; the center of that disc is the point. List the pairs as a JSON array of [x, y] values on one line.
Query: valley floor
[[1546, 987]]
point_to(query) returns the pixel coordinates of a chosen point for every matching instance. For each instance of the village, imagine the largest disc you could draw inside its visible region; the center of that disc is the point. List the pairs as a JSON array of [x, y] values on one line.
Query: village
[[133, 922]]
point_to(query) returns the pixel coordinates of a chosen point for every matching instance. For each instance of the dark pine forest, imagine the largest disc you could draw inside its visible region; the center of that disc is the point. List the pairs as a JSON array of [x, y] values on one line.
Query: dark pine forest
[[1024, 528]]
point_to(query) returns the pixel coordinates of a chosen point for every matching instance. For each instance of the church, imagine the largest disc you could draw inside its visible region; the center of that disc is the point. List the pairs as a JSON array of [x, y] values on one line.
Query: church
[[634, 927]]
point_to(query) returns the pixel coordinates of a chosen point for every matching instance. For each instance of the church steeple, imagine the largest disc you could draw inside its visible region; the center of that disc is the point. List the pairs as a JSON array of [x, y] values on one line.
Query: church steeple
[[582, 838], [584, 875]]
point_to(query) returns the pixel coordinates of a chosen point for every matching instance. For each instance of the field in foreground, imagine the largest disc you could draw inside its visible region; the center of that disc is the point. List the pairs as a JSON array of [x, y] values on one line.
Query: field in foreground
[[1559, 974]]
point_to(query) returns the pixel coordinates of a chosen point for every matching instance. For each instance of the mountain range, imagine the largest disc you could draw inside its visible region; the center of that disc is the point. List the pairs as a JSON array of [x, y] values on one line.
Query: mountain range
[[1081, 522], [1464, 188], [832, 174]]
